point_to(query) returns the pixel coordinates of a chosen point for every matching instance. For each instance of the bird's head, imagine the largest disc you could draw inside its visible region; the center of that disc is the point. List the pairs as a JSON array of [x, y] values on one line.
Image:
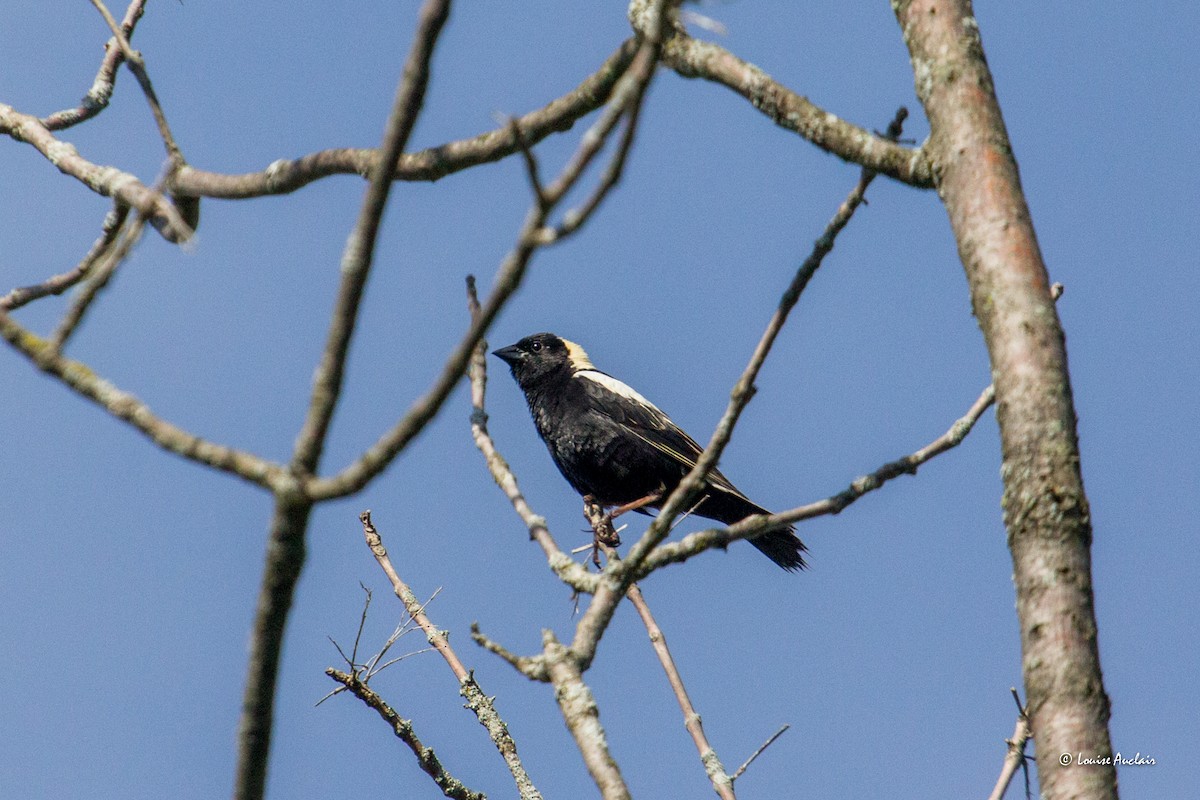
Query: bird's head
[[538, 358]]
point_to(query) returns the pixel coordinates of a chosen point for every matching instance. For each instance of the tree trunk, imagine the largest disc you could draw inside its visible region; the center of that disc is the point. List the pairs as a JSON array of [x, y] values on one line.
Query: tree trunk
[[1045, 508]]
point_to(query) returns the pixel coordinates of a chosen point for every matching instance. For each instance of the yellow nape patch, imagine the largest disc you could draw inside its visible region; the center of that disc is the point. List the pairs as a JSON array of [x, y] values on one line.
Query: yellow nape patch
[[579, 357]]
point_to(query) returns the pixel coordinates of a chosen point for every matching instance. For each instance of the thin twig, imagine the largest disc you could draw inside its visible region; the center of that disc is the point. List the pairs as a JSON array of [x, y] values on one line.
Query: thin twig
[[532, 667], [482, 705], [575, 217], [97, 97], [372, 667], [362, 623], [722, 782], [97, 281], [1015, 757], [137, 66], [568, 570], [114, 220], [531, 165], [770, 741], [412, 605], [403, 729]]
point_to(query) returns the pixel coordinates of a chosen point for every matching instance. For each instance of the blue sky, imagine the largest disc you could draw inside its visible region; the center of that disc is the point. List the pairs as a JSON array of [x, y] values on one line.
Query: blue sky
[[128, 576]]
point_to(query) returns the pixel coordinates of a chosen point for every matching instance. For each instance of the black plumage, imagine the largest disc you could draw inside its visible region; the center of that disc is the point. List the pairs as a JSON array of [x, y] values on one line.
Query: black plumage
[[615, 445]]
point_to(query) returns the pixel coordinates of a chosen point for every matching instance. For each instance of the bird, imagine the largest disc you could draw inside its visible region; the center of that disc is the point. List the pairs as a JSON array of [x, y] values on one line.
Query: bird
[[617, 448]]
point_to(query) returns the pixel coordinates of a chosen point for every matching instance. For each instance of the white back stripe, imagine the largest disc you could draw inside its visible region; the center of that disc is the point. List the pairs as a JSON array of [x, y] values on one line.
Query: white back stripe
[[615, 386]]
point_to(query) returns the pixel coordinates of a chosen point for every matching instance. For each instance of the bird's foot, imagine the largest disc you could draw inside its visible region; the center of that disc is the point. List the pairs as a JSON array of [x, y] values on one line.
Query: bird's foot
[[603, 533]]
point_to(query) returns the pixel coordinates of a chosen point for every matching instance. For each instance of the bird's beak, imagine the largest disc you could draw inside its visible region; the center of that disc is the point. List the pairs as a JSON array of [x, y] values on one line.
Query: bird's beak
[[509, 355]]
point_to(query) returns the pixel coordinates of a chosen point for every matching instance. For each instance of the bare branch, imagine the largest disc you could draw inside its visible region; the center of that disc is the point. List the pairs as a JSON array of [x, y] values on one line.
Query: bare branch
[[721, 781], [360, 248], [412, 605], [762, 748], [477, 701], [137, 66], [695, 543], [288, 175], [576, 217], [124, 406], [108, 181], [582, 715], [286, 550], [694, 58], [1015, 757], [531, 167], [103, 272], [57, 284], [284, 563], [426, 758], [533, 667], [97, 97], [568, 570]]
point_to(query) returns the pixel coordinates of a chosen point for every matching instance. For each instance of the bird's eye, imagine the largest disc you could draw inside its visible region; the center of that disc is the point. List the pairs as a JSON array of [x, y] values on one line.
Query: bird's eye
[[536, 347]]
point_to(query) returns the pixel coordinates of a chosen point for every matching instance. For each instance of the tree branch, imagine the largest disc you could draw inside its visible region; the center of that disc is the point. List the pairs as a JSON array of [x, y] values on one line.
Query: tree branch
[[108, 181], [722, 782], [696, 543], [97, 97], [101, 275], [428, 761], [762, 748], [1015, 756], [57, 284], [284, 563], [582, 715], [137, 66], [482, 705], [694, 58], [360, 248], [124, 406], [288, 175]]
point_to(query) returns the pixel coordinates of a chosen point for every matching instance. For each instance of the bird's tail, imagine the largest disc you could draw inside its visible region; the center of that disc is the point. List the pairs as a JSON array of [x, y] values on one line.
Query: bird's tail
[[780, 545], [783, 547]]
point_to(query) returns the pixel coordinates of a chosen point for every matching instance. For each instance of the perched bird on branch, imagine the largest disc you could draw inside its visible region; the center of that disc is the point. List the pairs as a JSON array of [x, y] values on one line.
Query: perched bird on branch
[[616, 447]]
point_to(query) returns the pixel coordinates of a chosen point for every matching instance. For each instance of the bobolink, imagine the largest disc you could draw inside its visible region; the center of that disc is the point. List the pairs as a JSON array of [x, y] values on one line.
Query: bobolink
[[613, 444]]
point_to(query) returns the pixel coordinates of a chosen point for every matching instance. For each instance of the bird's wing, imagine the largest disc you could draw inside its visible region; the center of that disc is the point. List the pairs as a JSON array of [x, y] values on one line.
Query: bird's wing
[[643, 419]]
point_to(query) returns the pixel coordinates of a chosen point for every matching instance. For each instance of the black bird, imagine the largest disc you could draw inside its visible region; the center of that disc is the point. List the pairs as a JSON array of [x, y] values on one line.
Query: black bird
[[613, 444]]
